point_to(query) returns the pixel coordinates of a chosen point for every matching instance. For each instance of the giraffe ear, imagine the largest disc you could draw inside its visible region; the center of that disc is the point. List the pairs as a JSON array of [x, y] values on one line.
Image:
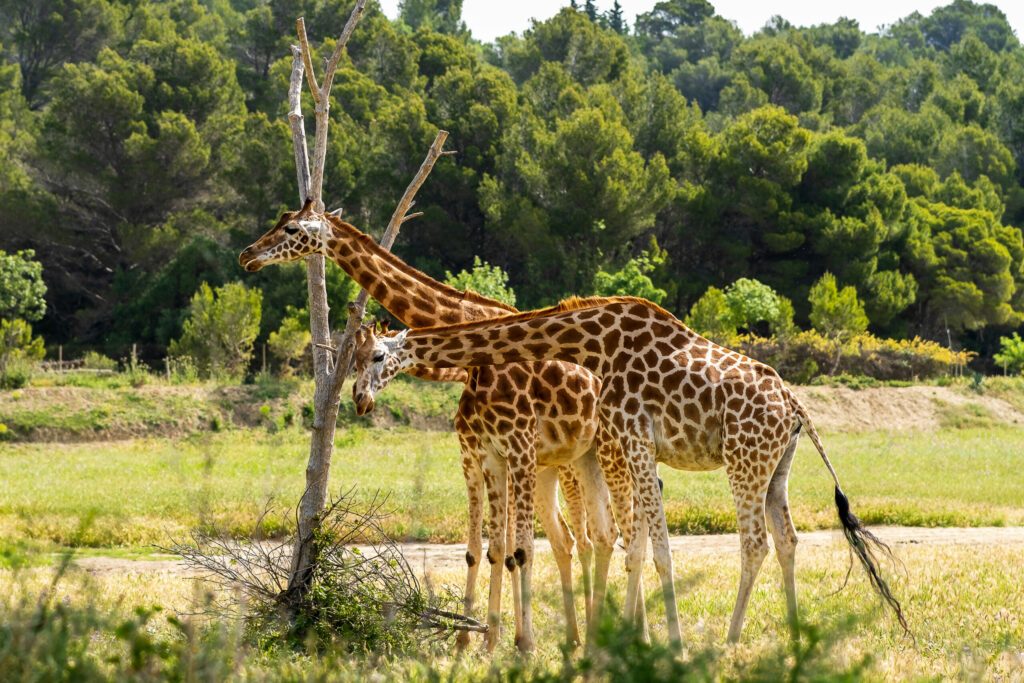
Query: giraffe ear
[[384, 325], [337, 212]]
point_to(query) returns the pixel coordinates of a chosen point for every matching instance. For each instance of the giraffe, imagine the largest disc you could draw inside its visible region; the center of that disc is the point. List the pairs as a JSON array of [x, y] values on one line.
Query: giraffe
[[668, 395], [510, 420]]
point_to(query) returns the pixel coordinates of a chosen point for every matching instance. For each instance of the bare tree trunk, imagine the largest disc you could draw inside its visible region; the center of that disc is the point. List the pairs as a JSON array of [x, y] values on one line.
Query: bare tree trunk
[[330, 366]]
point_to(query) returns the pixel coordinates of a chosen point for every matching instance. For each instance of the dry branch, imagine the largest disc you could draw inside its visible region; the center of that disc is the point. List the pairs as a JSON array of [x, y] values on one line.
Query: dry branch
[[328, 376]]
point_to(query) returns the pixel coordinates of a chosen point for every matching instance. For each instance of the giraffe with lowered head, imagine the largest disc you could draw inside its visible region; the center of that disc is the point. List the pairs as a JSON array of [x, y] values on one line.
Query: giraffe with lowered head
[[668, 395], [515, 423]]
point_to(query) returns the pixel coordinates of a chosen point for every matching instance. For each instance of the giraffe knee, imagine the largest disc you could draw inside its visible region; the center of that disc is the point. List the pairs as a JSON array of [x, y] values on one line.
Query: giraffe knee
[[470, 560], [492, 556], [510, 563], [520, 556]]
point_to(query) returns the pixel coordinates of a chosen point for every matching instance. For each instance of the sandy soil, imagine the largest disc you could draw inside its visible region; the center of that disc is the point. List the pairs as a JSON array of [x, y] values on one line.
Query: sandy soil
[[429, 557], [896, 408]]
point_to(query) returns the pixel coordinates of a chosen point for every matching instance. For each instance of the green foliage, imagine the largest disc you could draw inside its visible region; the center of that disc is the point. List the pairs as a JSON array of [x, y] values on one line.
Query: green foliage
[[97, 361], [836, 313], [805, 355], [22, 290], [633, 279], [1011, 353], [221, 329], [744, 305], [146, 147], [18, 351], [490, 281], [711, 316], [751, 302], [291, 340]]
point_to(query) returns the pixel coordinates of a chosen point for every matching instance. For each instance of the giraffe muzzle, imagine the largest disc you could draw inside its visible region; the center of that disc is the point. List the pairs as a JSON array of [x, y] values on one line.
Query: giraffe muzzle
[[247, 259], [364, 404]]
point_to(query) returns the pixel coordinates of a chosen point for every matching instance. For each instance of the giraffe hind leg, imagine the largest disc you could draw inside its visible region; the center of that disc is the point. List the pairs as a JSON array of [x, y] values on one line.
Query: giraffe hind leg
[[783, 532]]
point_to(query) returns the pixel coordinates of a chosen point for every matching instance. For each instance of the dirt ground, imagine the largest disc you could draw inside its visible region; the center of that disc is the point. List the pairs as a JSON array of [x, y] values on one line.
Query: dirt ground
[[897, 408], [431, 557]]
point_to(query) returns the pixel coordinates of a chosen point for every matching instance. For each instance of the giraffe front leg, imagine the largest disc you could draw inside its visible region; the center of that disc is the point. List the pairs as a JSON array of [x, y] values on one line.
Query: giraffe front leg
[[525, 484], [600, 526], [561, 546], [578, 514], [474, 556], [641, 457], [495, 476]]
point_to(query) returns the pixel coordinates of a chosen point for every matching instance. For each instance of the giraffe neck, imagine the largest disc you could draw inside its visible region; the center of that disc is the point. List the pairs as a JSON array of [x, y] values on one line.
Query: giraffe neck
[[596, 337], [410, 295]]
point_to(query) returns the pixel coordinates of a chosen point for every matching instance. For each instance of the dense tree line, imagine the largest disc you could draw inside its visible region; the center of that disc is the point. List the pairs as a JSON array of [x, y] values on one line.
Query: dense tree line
[[146, 145]]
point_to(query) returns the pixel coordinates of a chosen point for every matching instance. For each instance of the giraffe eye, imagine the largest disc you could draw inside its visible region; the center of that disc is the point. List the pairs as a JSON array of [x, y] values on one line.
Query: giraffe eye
[[291, 230], [378, 357]]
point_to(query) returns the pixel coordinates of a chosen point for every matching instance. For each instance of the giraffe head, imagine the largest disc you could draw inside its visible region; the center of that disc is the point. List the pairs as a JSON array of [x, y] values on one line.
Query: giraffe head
[[297, 234], [379, 356]]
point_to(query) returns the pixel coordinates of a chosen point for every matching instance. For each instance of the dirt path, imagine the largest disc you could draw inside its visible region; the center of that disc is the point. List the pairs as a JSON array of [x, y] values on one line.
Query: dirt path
[[429, 557]]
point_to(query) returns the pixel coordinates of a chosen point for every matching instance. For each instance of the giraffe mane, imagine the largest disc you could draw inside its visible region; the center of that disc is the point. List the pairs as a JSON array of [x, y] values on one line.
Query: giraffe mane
[[398, 264], [573, 303]]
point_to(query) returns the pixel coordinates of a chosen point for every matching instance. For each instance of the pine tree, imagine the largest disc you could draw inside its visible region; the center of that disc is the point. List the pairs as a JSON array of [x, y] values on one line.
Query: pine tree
[[614, 19], [591, 9], [574, 5]]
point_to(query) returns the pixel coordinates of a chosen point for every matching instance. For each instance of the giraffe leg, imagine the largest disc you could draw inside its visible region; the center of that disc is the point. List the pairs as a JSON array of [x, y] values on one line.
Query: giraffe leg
[[749, 495], [578, 515], [510, 564], [600, 526], [783, 532], [474, 556], [635, 550], [640, 455], [495, 476], [525, 483], [620, 488], [561, 545]]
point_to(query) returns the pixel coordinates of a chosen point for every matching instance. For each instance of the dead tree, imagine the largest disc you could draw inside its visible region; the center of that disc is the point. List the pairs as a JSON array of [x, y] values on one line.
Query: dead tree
[[330, 365]]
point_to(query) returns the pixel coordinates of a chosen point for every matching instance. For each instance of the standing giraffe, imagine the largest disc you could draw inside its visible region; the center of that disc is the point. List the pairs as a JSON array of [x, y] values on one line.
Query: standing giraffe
[[511, 421], [668, 395]]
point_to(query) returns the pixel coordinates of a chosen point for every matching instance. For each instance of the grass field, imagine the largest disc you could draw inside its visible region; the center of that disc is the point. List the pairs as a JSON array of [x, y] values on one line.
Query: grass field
[[964, 606], [141, 492]]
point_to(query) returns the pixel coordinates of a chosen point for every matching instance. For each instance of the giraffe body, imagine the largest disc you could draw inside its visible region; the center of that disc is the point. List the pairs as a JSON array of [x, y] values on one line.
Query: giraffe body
[[668, 395], [513, 422]]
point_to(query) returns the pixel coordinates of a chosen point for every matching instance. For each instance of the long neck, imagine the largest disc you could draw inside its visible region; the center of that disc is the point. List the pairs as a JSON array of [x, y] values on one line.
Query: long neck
[[410, 295], [598, 338]]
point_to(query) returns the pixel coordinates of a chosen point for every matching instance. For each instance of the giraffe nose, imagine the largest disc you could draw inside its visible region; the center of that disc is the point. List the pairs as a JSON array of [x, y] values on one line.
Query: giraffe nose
[[364, 403], [247, 259]]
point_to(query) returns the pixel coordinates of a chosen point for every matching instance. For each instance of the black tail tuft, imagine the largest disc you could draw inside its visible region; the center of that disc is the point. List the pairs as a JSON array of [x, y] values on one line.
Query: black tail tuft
[[865, 546]]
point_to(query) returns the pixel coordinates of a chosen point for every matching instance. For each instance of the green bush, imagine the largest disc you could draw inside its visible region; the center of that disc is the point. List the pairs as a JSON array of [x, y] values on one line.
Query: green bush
[[19, 351], [1011, 354], [634, 277], [836, 313], [221, 329], [290, 341], [93, 360], [22, 290], [485, 279], [799, 358], [719, 315]]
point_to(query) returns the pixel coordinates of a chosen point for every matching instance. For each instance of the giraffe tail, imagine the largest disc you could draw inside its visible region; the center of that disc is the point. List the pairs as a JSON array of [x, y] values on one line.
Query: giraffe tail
[[867, 547]]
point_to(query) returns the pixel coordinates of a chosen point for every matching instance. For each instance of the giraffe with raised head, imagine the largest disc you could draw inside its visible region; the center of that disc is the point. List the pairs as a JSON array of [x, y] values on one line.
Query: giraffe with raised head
[[520, 426], [668, 395]]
